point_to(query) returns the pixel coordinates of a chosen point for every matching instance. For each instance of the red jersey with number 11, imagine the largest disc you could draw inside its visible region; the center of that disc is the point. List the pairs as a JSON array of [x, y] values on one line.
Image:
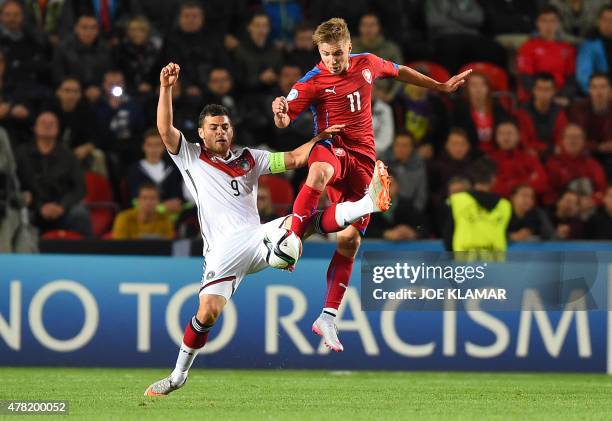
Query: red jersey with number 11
[[345, 98]]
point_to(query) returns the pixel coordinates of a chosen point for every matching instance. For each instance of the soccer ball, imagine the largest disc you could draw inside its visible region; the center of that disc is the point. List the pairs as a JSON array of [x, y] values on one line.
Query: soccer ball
[[282, 247]]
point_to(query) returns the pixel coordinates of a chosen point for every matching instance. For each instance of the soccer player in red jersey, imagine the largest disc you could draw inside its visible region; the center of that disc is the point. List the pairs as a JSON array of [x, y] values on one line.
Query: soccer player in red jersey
[[339, 91]]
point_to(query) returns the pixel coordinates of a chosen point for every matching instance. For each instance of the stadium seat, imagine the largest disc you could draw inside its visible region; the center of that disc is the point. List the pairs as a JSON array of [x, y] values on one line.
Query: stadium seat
[[62, 235], [281, 191], [99, 200], [434, 70]]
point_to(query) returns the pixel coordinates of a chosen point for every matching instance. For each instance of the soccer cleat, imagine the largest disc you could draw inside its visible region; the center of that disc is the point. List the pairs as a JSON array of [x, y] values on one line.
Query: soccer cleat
[[378, 190], [163, 387], [326, 328]]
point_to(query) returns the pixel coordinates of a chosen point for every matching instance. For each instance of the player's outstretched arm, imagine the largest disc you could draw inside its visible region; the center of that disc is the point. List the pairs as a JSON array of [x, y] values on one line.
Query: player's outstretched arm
[[298, 157], [169, 134], [409, 75], [280, 108]]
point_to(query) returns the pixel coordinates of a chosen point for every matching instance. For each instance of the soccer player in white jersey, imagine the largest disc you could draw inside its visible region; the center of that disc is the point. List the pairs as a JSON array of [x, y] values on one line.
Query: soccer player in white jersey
[[223, 181]]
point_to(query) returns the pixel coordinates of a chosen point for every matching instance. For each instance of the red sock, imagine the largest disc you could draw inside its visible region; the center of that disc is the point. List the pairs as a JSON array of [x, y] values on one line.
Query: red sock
[[196, 334], [304, 206], [327, 220], [338, 275]]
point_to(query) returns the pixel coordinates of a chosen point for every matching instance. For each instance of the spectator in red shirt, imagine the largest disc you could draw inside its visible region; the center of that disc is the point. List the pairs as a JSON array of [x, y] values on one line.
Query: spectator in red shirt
[[514, 165], [594, 115], [477, 113], [542, 121], [572, 167], [545, 53]]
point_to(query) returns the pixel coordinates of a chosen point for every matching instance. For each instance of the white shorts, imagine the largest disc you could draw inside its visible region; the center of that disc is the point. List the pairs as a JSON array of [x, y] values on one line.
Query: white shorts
[[228, 263]]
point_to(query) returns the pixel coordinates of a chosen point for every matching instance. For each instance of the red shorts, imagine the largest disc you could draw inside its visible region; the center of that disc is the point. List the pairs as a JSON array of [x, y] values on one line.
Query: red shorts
[[352, 174]]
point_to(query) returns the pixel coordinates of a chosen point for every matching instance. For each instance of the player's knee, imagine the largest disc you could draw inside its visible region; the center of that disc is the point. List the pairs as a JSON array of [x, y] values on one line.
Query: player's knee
[[319, 175], [348, 243], [209, 311]]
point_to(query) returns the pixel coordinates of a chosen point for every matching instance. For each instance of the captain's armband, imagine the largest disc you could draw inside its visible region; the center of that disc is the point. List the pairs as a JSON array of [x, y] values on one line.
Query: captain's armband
[[277, 162]]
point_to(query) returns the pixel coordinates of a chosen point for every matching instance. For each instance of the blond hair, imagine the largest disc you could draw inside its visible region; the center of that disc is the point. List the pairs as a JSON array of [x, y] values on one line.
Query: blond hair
[[331, 31]]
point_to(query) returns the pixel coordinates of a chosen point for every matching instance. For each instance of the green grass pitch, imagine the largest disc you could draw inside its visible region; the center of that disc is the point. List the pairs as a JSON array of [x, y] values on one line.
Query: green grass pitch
[[116, 394]]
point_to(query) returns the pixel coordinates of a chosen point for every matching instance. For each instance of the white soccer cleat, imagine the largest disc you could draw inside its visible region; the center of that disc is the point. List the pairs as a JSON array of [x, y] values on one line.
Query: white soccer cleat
[[326, 328], [163, 387], [378, 190]]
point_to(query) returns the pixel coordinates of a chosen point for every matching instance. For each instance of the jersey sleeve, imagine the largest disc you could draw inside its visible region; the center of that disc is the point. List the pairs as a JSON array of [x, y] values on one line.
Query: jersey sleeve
[[300, 97], [187, 153], [383, 68], [262, 161]]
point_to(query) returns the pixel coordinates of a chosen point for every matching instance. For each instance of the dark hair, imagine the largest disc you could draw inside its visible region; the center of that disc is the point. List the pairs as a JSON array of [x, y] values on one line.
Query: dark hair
[[213, 110], [303, 26], [604, 9], [600, 75], [459, 132], [148, 185], [545, 76], [518, 187], [68, 78], [548, 9], [150, 132], [17, 2], [404, 133], [370, 14], [256, 13], [191, 4], [482, 171]]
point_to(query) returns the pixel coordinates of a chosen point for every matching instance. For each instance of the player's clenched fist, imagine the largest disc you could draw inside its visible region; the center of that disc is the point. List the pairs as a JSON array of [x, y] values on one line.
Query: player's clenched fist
[[169, 75], [280, 106]]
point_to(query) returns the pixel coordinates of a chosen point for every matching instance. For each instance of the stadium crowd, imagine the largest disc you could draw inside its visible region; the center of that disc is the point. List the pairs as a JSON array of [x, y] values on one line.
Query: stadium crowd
[[78, 80]]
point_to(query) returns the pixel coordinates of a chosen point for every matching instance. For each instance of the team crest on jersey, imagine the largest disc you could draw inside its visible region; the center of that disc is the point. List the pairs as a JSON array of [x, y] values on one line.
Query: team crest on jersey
[[237, 167], [339, 152], [367, 75], [293, 94]]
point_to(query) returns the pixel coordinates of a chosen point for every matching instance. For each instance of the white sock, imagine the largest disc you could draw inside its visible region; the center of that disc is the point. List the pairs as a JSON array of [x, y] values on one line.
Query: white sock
[[183, 363], [329, 312], [349, 212]]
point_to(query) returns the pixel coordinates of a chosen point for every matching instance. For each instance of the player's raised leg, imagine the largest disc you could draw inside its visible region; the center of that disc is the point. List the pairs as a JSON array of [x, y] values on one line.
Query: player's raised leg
[[194, 339], [323, 165]]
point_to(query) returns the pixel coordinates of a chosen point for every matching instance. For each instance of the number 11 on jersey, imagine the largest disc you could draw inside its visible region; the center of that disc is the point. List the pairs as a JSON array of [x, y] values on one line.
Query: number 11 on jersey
[[355, 98]]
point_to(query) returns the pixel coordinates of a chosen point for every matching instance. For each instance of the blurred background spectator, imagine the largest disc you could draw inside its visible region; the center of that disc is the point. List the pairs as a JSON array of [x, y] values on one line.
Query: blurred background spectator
[[514, 165], [143, 220], [455, 28], [528, 222], [599, 225], [564, 216], [477, 112], [409, 170], [153, 169], [542, 120], [53, 181], [545, 52], [84, 55], [573, 167], [595, 53]]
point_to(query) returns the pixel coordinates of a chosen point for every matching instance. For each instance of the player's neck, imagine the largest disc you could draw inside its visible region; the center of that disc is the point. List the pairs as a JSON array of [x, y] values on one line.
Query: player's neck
[[225, 156]]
